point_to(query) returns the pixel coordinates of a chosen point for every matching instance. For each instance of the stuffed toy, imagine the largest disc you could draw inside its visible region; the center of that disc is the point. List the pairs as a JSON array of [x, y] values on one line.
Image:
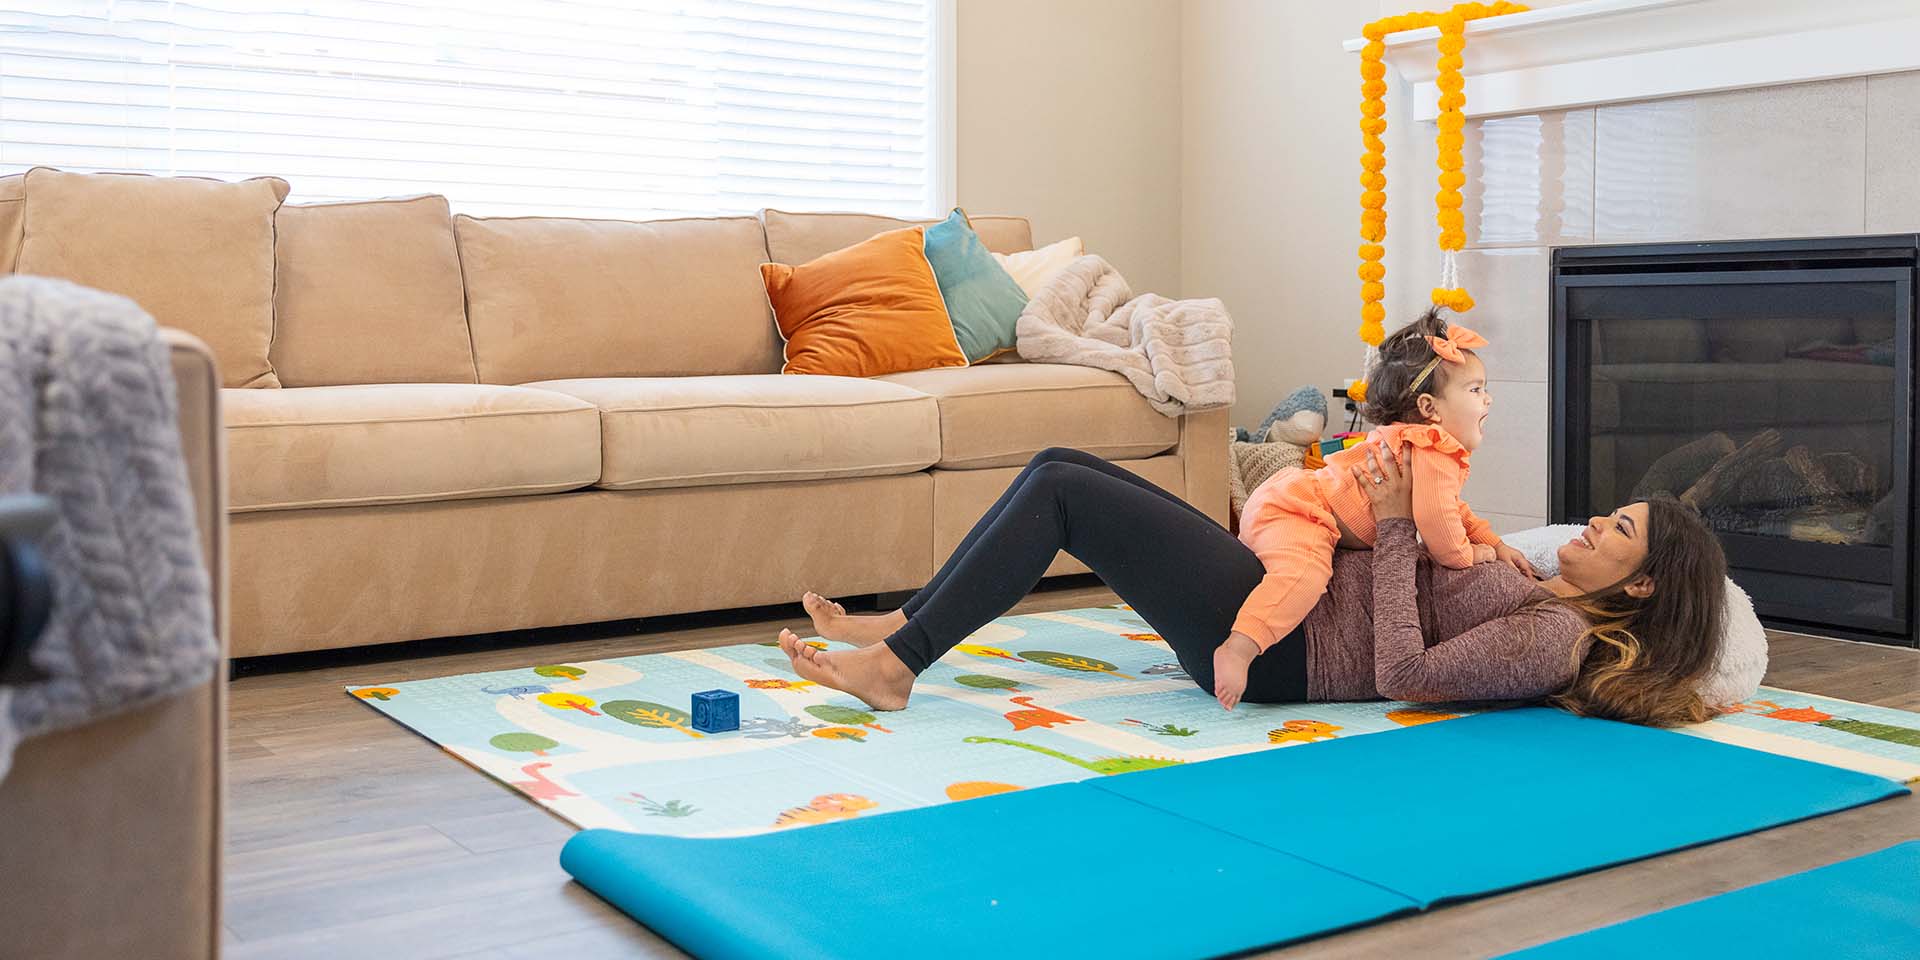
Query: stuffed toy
[[1299, 419], [1287, 438]]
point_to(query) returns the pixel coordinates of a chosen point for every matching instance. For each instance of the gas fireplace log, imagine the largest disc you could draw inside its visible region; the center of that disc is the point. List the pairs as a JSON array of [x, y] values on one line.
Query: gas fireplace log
[[1677, 469], [1855, 478], [1720, 485], [1820, 488]]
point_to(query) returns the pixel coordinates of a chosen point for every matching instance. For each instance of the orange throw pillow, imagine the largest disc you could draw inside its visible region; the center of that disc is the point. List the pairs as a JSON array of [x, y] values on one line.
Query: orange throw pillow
[[865, 310]]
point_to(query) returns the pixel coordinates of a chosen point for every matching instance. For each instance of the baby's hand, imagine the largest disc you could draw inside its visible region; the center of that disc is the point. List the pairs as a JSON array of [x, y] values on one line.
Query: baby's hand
[[1483, 553], [1506, 554]]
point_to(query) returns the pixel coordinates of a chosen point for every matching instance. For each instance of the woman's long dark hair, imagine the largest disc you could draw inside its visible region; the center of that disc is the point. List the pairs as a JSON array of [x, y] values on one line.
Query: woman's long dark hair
[[1648, 655]]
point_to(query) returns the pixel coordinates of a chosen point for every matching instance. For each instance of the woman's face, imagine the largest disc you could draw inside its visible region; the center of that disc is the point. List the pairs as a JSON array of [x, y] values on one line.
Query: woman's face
[[1609, 550]]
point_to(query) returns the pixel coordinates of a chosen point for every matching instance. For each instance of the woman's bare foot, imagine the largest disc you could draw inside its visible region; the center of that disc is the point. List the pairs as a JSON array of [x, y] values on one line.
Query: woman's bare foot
[[871, 673], [832, 621]]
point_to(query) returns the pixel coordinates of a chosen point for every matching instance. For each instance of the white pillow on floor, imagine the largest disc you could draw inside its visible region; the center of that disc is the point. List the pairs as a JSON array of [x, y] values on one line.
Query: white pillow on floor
[[1742, 661]]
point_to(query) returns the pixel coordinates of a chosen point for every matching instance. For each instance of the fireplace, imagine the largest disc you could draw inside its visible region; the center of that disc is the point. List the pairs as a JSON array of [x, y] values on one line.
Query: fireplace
[[1769, 384]]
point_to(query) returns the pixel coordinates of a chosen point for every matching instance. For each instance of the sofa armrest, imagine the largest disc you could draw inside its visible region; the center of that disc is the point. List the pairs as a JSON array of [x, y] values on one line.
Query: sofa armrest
[[113, 829], [1203, 458], [203, 440]]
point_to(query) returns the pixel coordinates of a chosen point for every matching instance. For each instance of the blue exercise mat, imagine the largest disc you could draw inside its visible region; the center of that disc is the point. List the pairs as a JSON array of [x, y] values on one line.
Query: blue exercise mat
[[1267, 848], [1472, 806], [1866, 908], [1060, 871]]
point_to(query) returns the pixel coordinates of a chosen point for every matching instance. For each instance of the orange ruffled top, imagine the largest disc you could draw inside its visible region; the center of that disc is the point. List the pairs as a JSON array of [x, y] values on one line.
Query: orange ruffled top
[[1448, 527]]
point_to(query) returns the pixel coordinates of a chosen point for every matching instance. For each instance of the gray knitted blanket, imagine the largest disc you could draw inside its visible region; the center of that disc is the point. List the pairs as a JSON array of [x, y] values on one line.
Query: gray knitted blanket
[[1177, 353], [88, 419]]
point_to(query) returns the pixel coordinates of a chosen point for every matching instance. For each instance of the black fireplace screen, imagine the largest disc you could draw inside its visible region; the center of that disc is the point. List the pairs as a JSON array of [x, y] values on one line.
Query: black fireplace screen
[[1767, 407], [1769, 388]]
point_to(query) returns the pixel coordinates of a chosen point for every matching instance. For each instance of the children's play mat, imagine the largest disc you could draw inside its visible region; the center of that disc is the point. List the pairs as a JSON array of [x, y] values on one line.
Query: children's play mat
[[1030, 700]]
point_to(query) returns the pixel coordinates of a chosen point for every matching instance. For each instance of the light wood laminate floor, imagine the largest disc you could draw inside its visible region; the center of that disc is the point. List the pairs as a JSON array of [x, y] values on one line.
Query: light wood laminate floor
[[348, 835]]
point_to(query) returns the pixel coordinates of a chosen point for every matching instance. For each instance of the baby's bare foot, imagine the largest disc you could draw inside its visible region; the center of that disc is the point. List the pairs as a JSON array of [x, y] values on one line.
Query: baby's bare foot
[[871, 673], [832, 621]]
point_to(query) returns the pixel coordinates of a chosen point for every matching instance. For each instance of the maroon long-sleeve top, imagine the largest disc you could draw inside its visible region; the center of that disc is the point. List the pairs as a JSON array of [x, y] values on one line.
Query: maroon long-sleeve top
[[1396, 625]]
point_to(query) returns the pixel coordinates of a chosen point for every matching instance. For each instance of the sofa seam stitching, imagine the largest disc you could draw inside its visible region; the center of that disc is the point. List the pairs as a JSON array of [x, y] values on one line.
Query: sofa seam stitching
[[451, 417]]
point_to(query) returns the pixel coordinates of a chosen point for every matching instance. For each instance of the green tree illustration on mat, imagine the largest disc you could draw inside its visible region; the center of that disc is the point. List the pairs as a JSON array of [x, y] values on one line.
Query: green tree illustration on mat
[[524, 743], [984, 682], [644, 713], [1070, 661], [1163, 729], [560, 671], [846, 716], [1104, 765], [657, 808]]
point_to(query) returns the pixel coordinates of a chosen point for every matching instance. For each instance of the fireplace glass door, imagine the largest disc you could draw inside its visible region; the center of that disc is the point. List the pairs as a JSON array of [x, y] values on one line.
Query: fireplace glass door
[[1773, 401]]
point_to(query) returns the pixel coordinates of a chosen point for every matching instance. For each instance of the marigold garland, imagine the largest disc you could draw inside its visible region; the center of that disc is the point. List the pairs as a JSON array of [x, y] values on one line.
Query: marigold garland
[[1373, 179]]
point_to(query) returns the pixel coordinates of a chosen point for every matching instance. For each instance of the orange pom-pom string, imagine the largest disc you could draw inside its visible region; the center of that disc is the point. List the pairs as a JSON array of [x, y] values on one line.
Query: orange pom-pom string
[[1450, 139]]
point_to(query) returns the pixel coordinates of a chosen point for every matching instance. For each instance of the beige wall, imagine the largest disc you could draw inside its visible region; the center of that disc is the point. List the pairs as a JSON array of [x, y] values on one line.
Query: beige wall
[[1069, 112], [1270, 200]]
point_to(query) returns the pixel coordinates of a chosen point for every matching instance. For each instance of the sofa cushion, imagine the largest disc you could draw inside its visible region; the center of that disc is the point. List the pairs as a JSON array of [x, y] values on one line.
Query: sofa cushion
[[195, 253], [368, 292], [999, 415], [552, 297], [872, 308], [698, 431], [799, 237], [404, 442], [983, 301], [13, 209]]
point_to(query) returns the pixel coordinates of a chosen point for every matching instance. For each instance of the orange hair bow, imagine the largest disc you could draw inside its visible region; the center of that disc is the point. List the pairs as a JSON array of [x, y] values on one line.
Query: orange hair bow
[[1447, 348], [1458, 338]]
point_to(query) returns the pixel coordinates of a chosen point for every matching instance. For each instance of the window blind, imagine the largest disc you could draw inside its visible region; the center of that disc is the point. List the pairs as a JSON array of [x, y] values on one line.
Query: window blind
[[617, 108]]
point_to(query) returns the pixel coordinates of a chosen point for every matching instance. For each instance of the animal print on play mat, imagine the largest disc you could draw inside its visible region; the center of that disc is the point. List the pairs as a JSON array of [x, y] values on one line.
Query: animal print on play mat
[[1029, 700]]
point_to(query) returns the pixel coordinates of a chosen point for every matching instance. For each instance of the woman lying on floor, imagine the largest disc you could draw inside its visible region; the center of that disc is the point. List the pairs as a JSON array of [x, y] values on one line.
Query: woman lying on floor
[[1625, 631]]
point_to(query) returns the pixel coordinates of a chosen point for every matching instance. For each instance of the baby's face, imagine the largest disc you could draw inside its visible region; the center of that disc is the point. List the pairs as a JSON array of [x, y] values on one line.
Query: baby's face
[[1461, 408]]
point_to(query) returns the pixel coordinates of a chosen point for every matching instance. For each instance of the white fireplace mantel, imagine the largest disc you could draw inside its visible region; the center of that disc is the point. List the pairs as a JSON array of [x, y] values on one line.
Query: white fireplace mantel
[[1609, 51]]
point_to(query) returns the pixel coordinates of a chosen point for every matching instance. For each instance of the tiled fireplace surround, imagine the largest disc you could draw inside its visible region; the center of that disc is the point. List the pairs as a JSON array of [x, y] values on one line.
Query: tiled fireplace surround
[[1831, 158]]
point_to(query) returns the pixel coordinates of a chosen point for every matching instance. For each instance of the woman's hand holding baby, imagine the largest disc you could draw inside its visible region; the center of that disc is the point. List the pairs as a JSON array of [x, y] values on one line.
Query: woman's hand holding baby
[[1388, 485], [1230, 661]]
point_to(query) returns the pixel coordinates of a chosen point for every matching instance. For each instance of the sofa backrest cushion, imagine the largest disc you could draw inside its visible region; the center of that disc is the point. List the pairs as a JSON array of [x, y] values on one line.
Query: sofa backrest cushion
[[552, 298], [195, 253], [369, 292], [873, 308], [796, 238], [13, 210]]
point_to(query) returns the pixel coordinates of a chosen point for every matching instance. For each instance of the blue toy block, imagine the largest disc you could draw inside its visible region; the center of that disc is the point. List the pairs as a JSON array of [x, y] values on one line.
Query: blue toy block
[[716, 711]]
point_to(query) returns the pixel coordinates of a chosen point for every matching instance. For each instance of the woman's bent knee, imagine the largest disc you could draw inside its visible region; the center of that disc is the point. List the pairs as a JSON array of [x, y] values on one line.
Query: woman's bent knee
[[1054, 455]]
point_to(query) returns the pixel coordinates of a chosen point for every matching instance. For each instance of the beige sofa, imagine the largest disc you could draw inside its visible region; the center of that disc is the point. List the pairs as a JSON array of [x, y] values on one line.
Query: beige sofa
[[466, 425], [113, 829]]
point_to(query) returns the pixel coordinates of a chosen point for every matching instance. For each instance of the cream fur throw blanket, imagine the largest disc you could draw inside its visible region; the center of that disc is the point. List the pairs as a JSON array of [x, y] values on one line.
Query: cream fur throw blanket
[[88, 419], [1177, 353]]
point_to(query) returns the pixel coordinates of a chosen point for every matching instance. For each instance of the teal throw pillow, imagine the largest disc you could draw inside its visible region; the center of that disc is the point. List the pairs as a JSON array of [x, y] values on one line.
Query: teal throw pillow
[[982, 299]]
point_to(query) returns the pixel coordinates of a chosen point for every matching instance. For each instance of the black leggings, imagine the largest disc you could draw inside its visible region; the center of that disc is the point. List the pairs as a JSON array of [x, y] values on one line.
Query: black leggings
[[1179, 570]]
